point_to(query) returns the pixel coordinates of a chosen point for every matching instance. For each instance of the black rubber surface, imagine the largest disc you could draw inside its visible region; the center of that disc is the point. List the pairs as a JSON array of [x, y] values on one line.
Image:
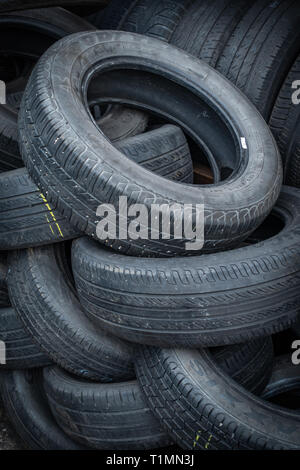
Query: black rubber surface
[[209, 300], [25, 403], [285, 378], [10, 157], [41, 292], [201, 407], [285, 125], [4, 300], [21, 350]]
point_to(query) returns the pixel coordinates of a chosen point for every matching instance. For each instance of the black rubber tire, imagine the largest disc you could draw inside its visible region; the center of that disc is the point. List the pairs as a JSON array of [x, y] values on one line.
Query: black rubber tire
[[111, 17], [156, 18], [27, 408], [10, 157], [249, 364], [207, 26], [233, 209], [201, 407], [261, 51], [13, 5], [285, 125], [28, 220], [209, 300], [285, 378], [103, 416], [4, 299], [43, 296], [21, 350]]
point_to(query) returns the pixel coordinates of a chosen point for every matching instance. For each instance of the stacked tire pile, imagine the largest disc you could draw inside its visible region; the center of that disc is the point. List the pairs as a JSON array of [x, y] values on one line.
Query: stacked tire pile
[[131, 344]]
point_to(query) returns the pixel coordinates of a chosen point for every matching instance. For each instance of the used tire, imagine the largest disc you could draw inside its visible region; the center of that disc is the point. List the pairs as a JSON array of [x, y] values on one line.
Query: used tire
[[201, 407], [4, 299], [285, 125], [103, 416], [28, 220], [285, 378], [210, 300], [233, 209], [44, 298], [21, 350], [26, 405], [261, 50]]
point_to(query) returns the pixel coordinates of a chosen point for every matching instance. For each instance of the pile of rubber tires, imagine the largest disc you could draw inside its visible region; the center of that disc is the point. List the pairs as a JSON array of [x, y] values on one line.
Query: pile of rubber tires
[[133, 344]]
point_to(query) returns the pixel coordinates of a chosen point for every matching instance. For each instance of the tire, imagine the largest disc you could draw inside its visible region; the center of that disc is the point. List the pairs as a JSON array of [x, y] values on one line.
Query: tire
[[202, 408], [10, 157], [112, 16], [261, 51], [21, 350], [103, 416], [156, 18], [27, 408], [13, 5], [211, 300], [207, 26], [249, 364], [230, 215], [163, 151], [4, 299], [285, 125], [27, 219], [45, 300], [285, 378]]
